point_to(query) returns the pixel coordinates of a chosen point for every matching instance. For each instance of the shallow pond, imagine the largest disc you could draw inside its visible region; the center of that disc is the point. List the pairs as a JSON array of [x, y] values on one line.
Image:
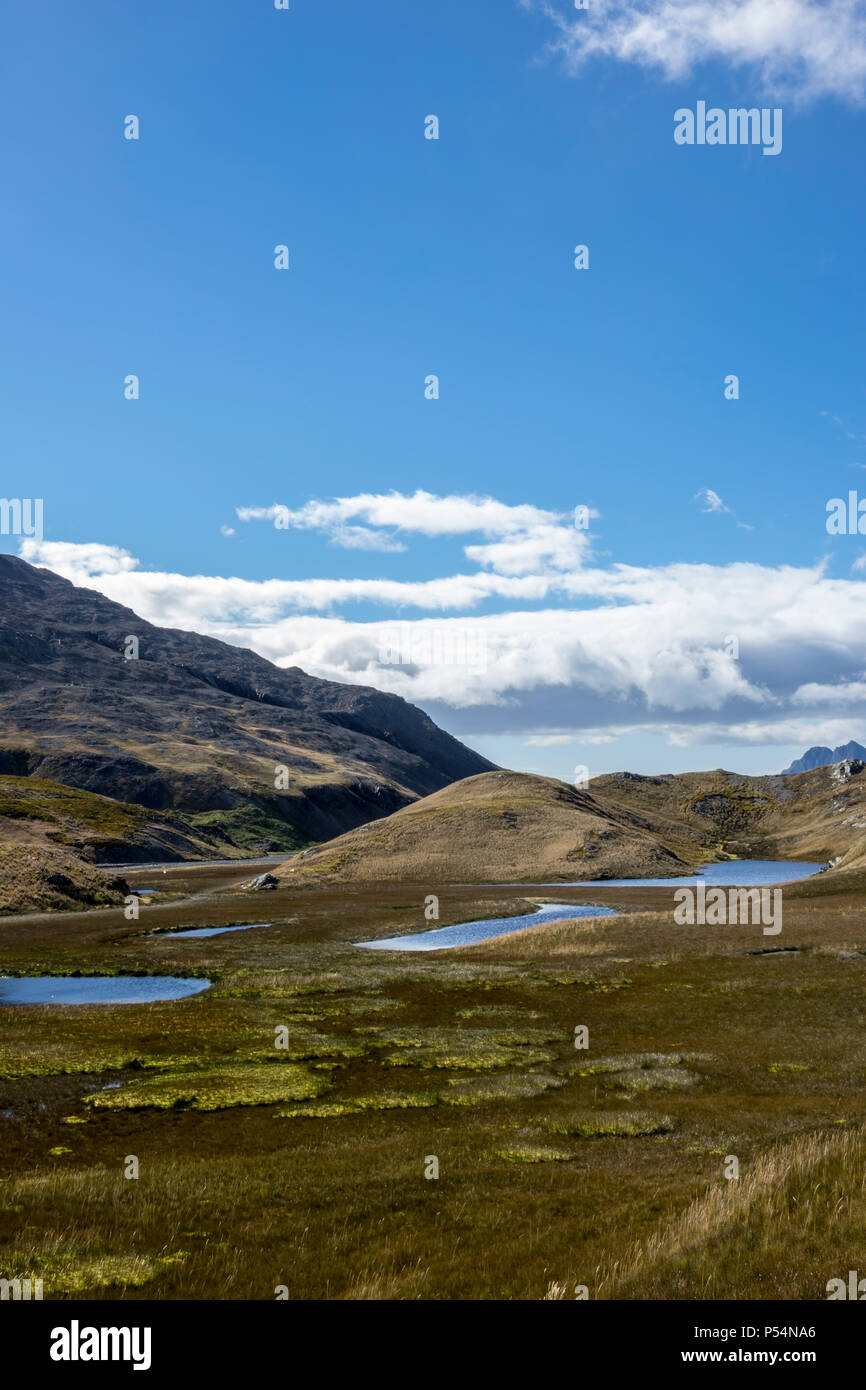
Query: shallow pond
[[732, 873], [216, 931], [465, 933], [97, 989]]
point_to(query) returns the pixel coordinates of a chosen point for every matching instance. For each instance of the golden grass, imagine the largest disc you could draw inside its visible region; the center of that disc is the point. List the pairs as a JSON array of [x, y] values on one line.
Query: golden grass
[[801, 1196], [563, 936], [499, 827]]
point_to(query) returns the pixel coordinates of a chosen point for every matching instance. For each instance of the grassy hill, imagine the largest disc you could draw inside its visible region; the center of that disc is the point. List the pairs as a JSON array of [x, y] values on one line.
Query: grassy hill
[[37, 813], [819, 815], [517, 827], [498, 826], [37, 878]]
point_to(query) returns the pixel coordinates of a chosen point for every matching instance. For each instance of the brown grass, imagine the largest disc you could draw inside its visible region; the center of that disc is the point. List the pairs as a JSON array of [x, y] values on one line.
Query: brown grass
[[749, 1054]]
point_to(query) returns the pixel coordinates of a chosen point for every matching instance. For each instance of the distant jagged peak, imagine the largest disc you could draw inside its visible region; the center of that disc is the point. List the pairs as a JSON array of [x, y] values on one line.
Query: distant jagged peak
[[823, 757]]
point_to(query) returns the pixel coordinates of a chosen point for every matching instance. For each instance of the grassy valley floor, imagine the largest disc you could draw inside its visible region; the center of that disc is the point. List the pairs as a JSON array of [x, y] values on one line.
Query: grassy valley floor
[[303, 1165]]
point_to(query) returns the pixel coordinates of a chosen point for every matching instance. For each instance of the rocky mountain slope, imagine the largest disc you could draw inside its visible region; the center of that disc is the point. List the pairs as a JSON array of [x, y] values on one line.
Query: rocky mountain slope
[[195, 730], [818, 815], [497, 827]]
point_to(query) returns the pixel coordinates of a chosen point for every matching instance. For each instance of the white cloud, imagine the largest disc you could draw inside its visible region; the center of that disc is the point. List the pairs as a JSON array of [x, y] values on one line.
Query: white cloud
[[363, 538], [180, 600], [573, 650], [424, 512], [609, 651], [711, 501], [757, 733], [754, 733], [846, 693], [518, 539], [803, 48], [78, 562]]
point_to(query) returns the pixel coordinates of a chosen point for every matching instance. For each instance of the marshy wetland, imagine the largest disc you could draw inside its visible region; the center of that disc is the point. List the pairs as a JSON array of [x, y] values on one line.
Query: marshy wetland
[[284, 1116]]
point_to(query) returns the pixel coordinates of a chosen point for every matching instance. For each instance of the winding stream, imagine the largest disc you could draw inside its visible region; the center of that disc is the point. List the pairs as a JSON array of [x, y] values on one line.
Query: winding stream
[[466, 933]]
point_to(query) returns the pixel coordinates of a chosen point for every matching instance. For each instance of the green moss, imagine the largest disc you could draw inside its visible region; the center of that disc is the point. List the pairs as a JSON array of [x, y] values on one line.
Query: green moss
[[532, 1153], [462, 1092], [303, 1047], [654, 1079], [477, 1090], [467, 1037], [61, 1059], [356, 1105], [631, 1124], [474, 1057], [70, 1273], [506, 1012], [326, 1110], [65, 1058], [218, 1089], [635, 1061], [469, 1049]]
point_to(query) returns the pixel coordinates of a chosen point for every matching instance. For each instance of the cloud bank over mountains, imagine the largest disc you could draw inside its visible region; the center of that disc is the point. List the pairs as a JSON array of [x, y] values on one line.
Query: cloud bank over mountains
[[702, 653]]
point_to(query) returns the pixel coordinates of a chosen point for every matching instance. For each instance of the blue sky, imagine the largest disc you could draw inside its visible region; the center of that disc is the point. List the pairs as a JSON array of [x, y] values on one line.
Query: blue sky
[[558, 387]]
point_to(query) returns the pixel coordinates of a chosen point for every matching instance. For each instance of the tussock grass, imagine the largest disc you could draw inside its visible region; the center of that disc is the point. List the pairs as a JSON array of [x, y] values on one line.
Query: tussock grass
[[636, 1061], [357, 1105], [470, 1056], [560, 936], [389, 1281], [653, 1079], [779, 1231], [476, 1090], [463, 1091], [627, 1124], [465, 1049], [533, 1153]]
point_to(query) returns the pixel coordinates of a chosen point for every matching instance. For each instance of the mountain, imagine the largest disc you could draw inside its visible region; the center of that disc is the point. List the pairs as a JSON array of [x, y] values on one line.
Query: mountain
[[821, 757], [817, 815], [496, 827], [518, 827], [193, 730]]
